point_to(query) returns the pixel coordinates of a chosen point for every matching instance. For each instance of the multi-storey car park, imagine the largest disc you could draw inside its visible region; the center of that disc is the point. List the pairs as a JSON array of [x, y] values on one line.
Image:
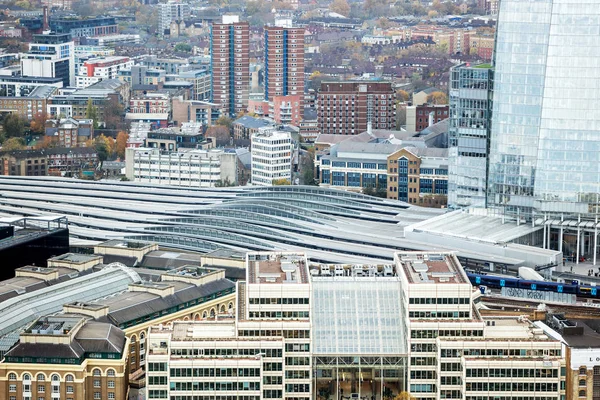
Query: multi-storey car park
[[330, 225]]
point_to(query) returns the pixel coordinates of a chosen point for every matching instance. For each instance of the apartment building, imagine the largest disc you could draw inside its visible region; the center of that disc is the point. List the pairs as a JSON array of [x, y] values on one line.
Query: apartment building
[[230, 65], [201, 79], [150, 103], [23, 163], [184, 167], [96, 69], [62, 357], [169, 12], [347, 107], [69, 132], [264, 352], [284, 66], [271, 157]]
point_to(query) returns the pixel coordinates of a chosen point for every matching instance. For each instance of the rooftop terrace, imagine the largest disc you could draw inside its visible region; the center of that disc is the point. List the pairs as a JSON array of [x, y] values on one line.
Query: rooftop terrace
[[431, 267]]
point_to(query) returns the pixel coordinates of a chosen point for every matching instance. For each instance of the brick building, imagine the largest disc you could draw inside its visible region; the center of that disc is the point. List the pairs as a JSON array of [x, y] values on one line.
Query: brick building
[[230, 66], [284, 65], [23, 163], [346, 107]]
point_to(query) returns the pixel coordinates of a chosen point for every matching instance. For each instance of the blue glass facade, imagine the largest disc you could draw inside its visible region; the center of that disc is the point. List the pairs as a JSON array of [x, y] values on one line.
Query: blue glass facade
[[545, 136]]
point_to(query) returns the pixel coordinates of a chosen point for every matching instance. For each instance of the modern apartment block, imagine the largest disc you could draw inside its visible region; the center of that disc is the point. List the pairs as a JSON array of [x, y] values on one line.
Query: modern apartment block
[[50, 56], [468, 134], [96, 69], [284, 64], [347, 107], [271, 157], [544, 147], [169, 12], [264, 352], [230, 65], [185, 167]]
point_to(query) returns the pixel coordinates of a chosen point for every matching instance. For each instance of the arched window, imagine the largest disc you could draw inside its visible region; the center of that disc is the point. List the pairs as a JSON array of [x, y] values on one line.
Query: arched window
[[142, 335], [582, 393], [582, 382], [69, 378], [230, 306], [12, 376], [582, 370], [110, 372], [26, 377], [212, 312], [41, 377], [55, 378], [97, 372], [222, 310], [204, 315]]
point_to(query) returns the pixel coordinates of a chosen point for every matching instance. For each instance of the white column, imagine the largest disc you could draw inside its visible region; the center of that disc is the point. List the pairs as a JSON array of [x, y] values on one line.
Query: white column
[[560, 239], [578, 240], [595, 243], [544, 239]]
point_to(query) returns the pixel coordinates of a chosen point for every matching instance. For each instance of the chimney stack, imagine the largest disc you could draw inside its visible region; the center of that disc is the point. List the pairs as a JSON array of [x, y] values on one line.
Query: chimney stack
[[46, 25]]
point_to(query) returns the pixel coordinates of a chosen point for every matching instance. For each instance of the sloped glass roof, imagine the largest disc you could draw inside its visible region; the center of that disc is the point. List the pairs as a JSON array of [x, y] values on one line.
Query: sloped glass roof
[[357, 315]]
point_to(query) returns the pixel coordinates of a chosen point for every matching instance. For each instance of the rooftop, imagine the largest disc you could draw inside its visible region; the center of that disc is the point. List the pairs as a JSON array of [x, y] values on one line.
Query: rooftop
[[280, 268], [431, 267]]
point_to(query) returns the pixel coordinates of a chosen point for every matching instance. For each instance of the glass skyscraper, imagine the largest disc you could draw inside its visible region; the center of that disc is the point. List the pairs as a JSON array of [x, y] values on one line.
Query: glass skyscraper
[[468, 134], [545, 136]]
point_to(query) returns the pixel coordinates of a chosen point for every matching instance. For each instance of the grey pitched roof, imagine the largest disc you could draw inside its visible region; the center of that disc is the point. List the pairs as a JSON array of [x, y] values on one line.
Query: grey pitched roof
[[98, 337], [251, 122], [148, 305]]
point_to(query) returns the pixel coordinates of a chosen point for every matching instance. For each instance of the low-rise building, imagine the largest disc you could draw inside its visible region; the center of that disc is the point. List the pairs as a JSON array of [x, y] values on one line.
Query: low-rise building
[[70, 132], [67, 357], [244, 127], [425, 115], [71, 161], [194, 110], [271, 157], [189, 136], [30, 105], [150, 103], [182, 167], [23, 163], [201, 80]]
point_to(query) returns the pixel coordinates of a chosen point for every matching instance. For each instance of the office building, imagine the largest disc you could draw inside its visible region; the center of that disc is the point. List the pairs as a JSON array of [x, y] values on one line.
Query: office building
[[96, 69], [185, 167], [230, 66], [545, 147], [271, 157], [468, 135], [169, 12], [246, 126], [201, 79], [67, 357], [203, 112], [111, 40], [347, 107], [171, 66], [84, 27], [261, 352], [30, 105], [284, 64], [424, 115], [50, 56], [17, 86]]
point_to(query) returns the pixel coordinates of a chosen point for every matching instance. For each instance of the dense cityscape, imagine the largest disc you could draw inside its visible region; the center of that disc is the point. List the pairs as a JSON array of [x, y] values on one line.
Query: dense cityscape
[[299, 199]]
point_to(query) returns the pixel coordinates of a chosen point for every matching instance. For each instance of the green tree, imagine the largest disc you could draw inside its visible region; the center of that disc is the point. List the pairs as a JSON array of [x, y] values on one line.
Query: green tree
[[183, 47], [13, 143], [102, 148], [281, 182], [13, 125], [224, 121]]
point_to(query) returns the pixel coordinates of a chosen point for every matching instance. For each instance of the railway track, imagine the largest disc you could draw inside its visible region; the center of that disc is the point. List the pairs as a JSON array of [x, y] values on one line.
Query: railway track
[[578, 310]]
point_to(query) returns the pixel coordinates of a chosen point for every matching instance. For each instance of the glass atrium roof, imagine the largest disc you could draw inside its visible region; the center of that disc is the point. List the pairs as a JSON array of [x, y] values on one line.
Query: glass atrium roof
[[359, 316]]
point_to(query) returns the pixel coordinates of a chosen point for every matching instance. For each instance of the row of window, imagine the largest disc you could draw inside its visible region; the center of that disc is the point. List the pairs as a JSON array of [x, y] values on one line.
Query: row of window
[[218, 386], [511, 372], [501, 352], [278, 300], [226, 352], [287, 334], [279, 314], [439, 300], [438, 314], [511, 387], [433, 333]]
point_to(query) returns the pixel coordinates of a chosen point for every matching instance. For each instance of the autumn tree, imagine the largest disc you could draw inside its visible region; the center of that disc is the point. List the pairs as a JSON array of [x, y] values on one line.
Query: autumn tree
[[91, 112], [121, 144], [437, 98], [113, 114], [341, 7], [47, 142], [224, 121], [220, 134], [38, 123], [404, 396], [402, 95], [13, 143], [383, 23], [280, 182]]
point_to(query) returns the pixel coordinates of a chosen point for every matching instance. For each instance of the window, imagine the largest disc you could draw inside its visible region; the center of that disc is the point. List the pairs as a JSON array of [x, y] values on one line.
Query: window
[[41, 389], [97, 372], [55, 379], [69, 389], [97, 383], [12, 376], [582, 382], [110, 373], [41, 377], [111, 395], [582, 393], [97, 396], [111, 384], [69, 378], [582, 370], [12, 388]]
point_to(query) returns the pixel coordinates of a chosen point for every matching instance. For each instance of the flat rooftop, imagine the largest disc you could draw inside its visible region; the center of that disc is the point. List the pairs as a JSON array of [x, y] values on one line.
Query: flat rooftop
[[76, 258], [124, 244], [431, 267], [53, 325], [279, 268]]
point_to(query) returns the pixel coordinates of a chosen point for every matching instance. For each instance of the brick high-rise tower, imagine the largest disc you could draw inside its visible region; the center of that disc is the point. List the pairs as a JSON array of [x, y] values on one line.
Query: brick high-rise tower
[[230, 65], [284, 63]]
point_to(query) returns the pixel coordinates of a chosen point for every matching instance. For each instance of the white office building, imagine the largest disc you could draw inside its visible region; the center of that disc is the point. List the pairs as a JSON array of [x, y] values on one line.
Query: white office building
[[271, 157], [184, 167], [169, 12], [50, 56], [262, 353]]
